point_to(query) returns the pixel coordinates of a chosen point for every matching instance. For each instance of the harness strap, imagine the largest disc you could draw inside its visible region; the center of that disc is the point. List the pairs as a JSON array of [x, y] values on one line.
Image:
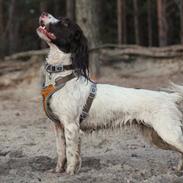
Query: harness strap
[[89, 102], [60, 82], [48, 91], [57, 68]]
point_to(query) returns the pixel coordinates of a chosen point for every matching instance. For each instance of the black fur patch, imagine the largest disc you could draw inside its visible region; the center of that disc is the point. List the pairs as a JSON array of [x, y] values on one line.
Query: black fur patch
[[70, 39]]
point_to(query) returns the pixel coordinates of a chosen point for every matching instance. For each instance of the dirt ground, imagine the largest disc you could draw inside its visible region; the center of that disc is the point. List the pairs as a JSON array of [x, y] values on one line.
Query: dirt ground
[[27, 143]]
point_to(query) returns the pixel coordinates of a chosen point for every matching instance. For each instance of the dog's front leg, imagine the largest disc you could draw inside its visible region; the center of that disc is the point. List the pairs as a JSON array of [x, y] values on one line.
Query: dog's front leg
[[72, 136], [180, 164], [61, 148]]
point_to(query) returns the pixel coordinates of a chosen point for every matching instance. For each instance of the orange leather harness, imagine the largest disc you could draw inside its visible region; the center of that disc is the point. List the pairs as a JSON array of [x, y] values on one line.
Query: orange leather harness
[[46, 93]]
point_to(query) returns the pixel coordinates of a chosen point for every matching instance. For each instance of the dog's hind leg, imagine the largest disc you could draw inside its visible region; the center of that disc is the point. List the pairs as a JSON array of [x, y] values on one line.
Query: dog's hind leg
[[60, 144], [152, 136], [72, 135], [171, 132]]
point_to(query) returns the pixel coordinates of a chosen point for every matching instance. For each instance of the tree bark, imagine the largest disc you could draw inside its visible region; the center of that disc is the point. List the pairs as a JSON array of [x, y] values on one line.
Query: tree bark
[[43, 8], [149, 22], [2, 37], [136, 21], [56, 8], [162, 23], [1, 17], [121, 16], [12, 27], [87, 18], [70, 9], [181, 21]]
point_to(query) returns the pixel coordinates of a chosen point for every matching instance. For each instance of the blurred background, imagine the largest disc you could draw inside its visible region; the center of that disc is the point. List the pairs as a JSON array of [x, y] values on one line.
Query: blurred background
[[117, 30], [141, 22], [133, 43]]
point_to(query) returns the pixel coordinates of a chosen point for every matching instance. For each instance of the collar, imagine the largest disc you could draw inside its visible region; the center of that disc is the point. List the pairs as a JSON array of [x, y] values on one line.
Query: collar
[[57, 68]]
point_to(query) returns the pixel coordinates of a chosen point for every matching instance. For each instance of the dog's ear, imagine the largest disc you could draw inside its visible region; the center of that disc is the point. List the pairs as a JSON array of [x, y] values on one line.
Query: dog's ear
[[80, 56], [77, 36]]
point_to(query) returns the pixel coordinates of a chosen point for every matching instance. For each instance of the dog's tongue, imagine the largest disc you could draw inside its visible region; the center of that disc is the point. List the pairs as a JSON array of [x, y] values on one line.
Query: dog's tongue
[[48, 34]]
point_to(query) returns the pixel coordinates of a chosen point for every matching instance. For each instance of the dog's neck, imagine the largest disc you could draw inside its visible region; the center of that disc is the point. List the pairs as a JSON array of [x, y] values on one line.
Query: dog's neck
[[56, 56]]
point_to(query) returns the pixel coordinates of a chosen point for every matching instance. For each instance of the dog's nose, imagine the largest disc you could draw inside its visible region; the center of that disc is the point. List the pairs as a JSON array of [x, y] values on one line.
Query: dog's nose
[[44, 14]]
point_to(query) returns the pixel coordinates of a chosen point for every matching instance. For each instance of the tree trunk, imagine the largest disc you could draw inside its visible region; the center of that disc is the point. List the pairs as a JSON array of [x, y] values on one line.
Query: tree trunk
[[12, 27], [162, 23], [1, 17], [181, 21], [121, 16], [56, 7], [87, 18], [2, 40], [149, 22], [136, 21], [70, 9], [43, 8]]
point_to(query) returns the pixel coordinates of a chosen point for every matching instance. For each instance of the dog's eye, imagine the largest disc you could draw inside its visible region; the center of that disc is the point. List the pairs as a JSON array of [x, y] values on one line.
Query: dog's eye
[[49, 17]]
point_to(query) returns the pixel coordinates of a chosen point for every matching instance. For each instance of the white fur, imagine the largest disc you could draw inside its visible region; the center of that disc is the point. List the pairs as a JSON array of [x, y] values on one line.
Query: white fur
[[113, 106], [49, 18]]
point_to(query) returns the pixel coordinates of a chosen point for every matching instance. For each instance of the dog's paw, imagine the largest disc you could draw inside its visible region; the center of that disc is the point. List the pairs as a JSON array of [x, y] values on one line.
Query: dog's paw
[[59, 170], [52, 170], [70, 171], [56, 170]]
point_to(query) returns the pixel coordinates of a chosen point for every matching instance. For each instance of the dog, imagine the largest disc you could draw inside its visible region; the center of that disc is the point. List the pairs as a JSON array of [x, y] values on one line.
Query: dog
[[157, 113]]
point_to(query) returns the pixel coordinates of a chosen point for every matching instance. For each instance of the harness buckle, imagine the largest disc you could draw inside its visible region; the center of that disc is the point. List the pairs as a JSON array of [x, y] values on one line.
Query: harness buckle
[[54, 68], [93, 90], [59, 68], [84, 115]]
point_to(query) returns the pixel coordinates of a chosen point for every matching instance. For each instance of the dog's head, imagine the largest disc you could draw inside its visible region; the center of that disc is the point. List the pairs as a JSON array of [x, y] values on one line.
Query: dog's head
[[68, 37]]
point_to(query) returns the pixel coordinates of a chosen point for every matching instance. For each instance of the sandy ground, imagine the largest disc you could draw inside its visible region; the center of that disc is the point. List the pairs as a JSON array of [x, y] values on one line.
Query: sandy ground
[[27, 144]]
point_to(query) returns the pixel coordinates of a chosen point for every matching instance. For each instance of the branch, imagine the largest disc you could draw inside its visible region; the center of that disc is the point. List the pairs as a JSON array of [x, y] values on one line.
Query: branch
[[26, 54], [115, 50], [112, 50]]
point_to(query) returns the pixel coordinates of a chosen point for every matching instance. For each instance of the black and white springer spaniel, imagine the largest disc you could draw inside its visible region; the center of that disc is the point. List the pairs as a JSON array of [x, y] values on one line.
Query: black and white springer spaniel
[[157, 113]]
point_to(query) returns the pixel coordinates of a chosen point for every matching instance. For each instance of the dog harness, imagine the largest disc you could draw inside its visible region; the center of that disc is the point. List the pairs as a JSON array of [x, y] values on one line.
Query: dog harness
[[60, 82]]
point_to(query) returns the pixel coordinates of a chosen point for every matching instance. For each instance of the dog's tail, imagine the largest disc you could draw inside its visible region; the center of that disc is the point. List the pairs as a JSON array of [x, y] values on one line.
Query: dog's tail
[[176, 91], [174, 88]]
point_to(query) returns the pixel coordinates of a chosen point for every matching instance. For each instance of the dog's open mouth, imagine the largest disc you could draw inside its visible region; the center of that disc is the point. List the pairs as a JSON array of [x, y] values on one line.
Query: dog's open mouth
[[44, 30]]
